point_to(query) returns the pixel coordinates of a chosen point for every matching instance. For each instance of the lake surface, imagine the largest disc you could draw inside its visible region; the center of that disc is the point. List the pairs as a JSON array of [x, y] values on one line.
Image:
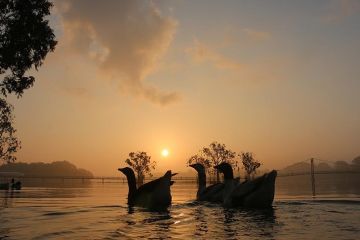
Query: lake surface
[[92, 210]]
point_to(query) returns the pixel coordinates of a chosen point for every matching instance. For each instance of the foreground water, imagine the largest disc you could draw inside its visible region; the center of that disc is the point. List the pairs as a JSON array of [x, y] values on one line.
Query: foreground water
[[99, 211]]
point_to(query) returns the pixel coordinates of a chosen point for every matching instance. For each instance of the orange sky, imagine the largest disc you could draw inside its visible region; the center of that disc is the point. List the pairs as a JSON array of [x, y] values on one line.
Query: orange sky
[[280, 80]]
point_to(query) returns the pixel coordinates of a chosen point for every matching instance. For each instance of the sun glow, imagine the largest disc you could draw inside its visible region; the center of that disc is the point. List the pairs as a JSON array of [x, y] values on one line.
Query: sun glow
[[165, 152]]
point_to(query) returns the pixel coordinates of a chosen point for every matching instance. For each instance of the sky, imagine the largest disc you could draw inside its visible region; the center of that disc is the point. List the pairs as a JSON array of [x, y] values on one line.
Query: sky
[[276, 78]]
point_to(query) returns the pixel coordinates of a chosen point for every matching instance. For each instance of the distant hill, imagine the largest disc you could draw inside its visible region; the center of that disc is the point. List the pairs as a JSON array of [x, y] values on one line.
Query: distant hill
[[297, 167], [40, 169], [338, 166]]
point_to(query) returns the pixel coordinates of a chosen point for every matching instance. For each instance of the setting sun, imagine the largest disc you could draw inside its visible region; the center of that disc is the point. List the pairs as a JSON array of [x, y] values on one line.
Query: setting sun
[[165, 152], [143, 115]]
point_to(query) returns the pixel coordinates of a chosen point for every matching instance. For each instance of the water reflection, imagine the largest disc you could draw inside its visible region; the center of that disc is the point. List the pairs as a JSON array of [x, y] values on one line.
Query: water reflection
[[7, 198], [213, 220], [131, 210], [229, 228], [266, 219], [140, 223], [335, 184], [57, 183], [160, 223], [201, 223], [248, 222], [101, 212], [4, 233], [43, 193]]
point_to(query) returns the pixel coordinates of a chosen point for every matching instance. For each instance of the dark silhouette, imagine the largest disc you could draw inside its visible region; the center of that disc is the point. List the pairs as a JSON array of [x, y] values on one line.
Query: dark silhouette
[[212, 193], [142, 164], [54, 169], [199, 158], [9, 144], [11, 185], [25, 40], [154, 195], [213, 155], [249, 164], [257, 193], [4, 186], [15, 185]]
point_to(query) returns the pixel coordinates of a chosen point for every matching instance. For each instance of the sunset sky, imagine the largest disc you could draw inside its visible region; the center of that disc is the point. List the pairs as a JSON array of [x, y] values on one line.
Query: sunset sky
[[277, 78]]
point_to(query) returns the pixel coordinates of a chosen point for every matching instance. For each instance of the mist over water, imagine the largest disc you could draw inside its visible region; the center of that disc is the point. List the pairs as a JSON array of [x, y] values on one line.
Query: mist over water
[[93, 210]]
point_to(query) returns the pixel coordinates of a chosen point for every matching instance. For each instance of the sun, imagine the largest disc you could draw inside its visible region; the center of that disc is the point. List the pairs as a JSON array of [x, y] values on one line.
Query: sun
[[165, 152]]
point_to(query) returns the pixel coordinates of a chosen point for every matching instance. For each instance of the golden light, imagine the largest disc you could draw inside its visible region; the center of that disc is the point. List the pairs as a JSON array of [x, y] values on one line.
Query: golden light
[[165, 152]]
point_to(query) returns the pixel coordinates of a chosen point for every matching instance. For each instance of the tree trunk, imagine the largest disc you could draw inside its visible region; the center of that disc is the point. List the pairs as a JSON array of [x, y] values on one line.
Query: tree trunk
[[140, 179], [217, 176]]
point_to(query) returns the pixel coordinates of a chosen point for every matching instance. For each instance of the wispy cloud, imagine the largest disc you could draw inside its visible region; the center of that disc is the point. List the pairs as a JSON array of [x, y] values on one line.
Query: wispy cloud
[[125, 38], [199, 52], [264, 69]]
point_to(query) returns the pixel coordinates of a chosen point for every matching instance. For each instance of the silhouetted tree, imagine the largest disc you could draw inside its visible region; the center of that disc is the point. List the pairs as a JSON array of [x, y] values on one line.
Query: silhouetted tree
[[25, 40], [198, 158], [217, 153], [9, 144], [249, 163], [141, 163]]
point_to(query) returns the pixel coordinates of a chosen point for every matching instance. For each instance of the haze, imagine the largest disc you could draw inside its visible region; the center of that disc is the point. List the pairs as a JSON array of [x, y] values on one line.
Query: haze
[[277, 78]]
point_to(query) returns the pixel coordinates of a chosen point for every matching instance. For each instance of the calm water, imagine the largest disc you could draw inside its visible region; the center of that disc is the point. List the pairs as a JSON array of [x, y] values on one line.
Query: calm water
[[98, 211]]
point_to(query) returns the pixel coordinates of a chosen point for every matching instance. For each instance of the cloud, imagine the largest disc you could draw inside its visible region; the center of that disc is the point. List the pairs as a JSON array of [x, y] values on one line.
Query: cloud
[[199, 52], [258, 69], [340, 9], [126, 39]]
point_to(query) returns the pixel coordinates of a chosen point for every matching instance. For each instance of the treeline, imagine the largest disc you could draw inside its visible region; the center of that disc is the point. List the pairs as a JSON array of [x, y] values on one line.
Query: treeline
[[40, 169]]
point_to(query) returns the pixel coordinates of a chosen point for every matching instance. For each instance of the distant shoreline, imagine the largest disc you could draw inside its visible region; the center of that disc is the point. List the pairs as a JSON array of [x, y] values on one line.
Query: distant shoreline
[[45, 170]]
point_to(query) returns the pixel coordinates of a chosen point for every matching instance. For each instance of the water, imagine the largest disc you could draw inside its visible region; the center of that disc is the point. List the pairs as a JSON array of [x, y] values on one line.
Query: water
[[98, 211]]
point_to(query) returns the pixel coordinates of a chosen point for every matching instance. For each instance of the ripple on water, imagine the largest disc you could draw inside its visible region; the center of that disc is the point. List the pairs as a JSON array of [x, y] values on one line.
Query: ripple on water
[[108, 217]]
